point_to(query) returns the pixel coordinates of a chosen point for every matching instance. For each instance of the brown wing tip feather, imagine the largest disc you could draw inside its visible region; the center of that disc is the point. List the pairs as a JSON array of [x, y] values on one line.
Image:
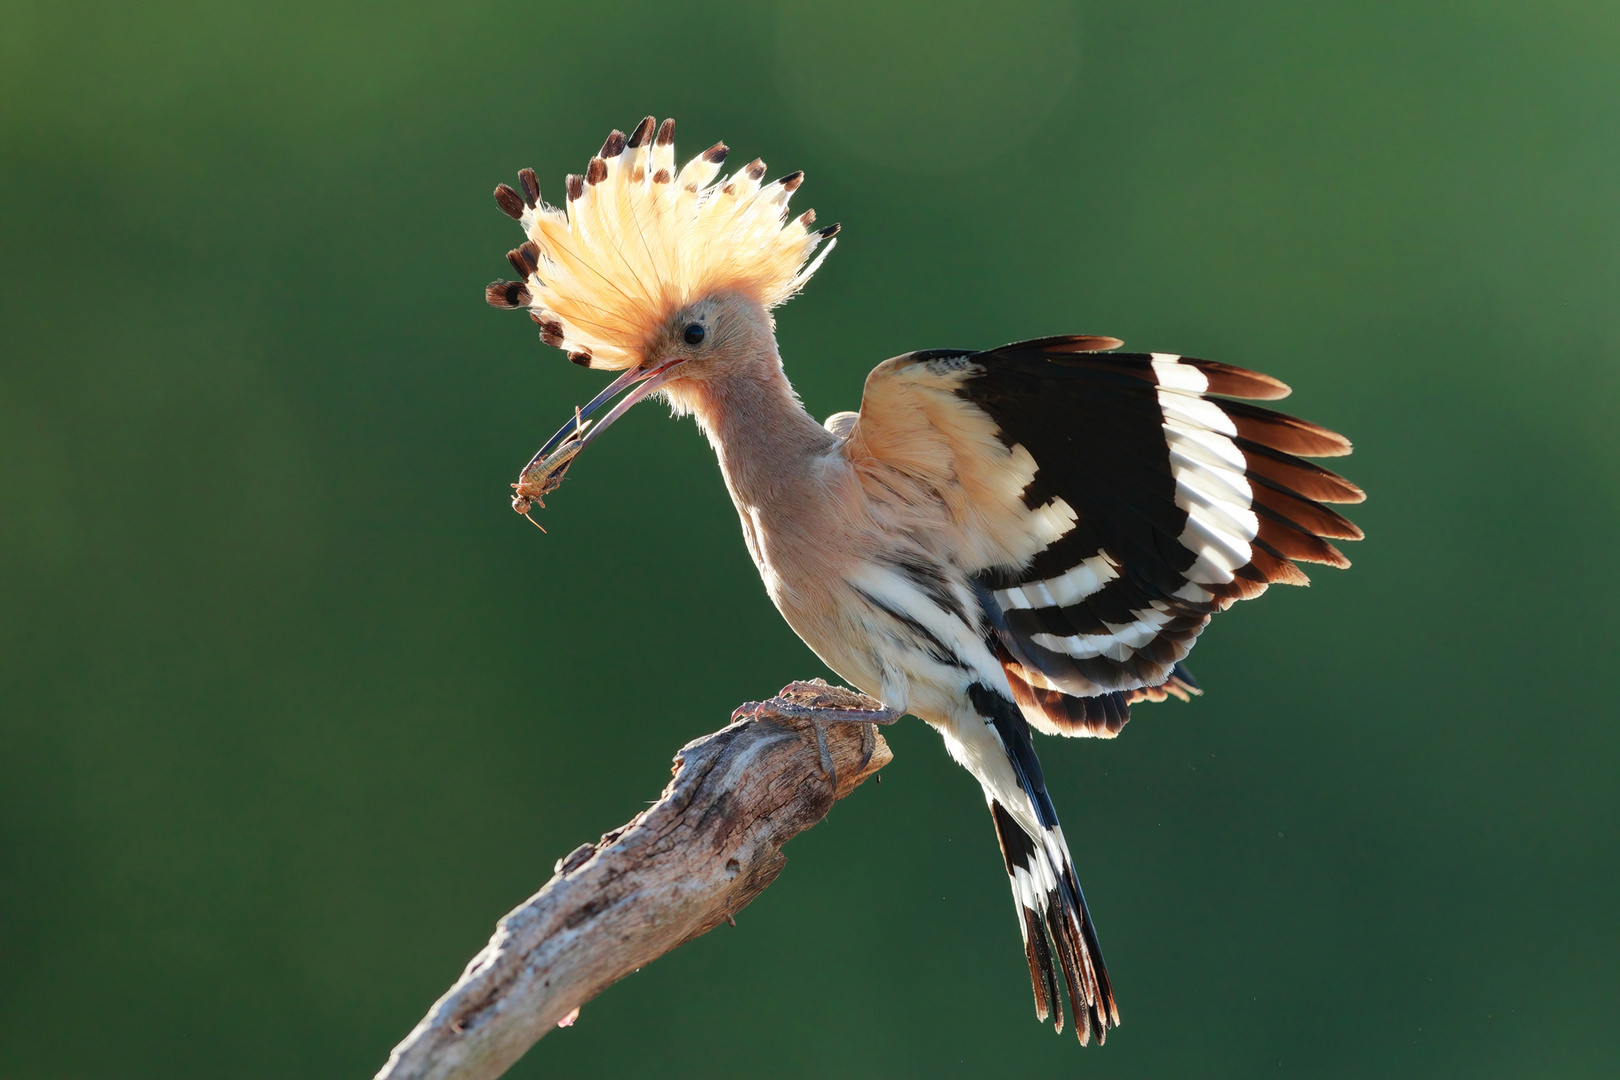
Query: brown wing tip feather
[[1289, 434], [1081, 343], [1229, 381]]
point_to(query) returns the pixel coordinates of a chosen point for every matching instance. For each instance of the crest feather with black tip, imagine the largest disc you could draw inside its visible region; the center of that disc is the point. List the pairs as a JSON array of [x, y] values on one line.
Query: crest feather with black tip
[[637, 240]]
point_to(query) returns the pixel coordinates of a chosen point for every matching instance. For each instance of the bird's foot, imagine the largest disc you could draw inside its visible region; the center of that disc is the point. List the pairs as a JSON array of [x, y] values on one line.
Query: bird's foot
[[821, 703], [839, 703]]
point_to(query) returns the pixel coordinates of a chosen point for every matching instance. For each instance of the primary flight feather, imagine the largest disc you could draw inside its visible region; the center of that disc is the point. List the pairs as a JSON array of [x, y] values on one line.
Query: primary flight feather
[[1016, 540]]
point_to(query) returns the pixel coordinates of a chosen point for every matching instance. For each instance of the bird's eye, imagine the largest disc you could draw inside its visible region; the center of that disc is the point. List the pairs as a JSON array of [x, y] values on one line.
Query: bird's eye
[[694, 333]]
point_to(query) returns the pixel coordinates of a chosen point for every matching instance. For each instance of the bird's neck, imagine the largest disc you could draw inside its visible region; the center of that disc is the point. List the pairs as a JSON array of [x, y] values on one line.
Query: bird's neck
[[768, 445]]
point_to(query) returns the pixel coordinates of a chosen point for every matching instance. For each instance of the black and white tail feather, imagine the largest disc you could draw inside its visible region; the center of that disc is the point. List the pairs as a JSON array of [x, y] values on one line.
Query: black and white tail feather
[[1053, 917]]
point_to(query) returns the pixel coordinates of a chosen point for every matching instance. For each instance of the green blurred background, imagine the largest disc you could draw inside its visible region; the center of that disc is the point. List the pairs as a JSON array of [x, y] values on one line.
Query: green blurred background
[[295, 707]]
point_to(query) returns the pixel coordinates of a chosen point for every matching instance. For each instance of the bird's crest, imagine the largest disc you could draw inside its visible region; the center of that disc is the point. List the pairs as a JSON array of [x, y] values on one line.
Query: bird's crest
[[640, 239]]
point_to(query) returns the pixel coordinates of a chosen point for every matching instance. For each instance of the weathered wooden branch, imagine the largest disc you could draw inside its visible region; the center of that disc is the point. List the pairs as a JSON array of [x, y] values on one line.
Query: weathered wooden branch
[[683, 866]]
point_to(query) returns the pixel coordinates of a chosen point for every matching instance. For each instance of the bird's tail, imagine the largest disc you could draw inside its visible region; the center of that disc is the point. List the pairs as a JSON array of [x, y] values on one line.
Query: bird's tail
[[1051, 907], [1053, 915]]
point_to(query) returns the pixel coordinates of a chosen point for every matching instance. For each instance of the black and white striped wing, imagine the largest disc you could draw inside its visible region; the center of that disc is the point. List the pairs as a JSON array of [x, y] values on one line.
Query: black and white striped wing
[[1183, 502]]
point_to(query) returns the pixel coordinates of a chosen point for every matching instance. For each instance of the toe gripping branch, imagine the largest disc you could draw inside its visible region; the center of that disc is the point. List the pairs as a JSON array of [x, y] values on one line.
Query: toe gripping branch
[[819, 703]]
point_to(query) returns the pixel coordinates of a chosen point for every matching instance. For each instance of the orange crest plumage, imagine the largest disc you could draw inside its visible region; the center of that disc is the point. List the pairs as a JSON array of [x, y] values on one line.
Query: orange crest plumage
[[639, 240]]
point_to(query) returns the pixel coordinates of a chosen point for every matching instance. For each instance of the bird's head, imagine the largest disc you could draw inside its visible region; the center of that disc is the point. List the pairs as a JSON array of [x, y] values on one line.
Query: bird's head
[[667, 275]]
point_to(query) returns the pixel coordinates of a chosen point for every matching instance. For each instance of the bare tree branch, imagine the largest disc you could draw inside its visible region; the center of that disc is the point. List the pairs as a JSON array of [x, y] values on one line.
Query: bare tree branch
[[685, 865]]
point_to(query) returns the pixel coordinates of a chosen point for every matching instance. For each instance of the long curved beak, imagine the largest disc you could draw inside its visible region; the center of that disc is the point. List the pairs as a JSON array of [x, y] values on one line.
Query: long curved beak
[[544, 472]]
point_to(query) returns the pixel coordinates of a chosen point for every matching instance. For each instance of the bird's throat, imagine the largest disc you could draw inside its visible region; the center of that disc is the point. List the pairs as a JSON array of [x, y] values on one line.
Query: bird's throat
[[767, 443]]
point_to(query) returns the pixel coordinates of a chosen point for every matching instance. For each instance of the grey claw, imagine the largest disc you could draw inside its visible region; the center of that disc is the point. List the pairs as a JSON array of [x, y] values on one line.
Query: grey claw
[[868, 745], [827, 768]]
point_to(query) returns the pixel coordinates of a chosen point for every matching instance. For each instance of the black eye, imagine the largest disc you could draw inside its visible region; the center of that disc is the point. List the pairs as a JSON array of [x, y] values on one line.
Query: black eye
[[694, 333]]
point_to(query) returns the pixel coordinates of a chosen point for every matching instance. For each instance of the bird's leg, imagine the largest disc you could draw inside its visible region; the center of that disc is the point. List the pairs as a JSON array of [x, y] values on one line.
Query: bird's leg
[[821, 703]]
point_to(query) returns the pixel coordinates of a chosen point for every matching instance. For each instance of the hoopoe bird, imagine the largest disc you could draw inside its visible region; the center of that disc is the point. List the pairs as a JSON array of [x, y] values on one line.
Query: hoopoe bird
[[1022, 539]]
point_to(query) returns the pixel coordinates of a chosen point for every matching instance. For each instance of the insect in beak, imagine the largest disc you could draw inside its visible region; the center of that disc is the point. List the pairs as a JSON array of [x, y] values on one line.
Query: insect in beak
[[544, 472]]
